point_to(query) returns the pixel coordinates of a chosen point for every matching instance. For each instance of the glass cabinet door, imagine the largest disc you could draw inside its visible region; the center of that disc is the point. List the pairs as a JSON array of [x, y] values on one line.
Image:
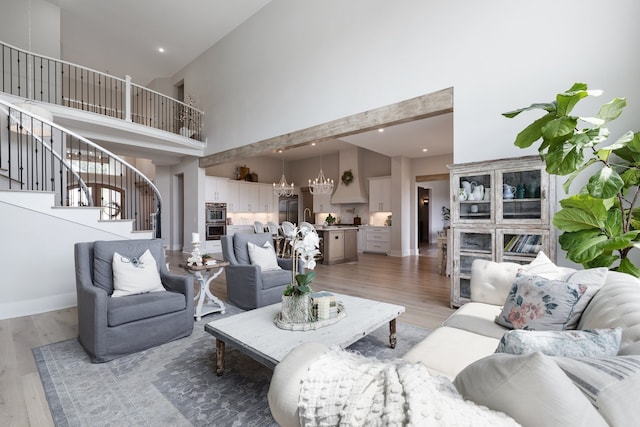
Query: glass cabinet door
[[521, 196], [472, 198], [521, 246], [469, 245]]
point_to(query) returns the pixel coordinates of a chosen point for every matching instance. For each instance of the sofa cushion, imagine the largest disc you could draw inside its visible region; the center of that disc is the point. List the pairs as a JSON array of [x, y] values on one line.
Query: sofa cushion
[[587, 343], [612, 384], [263, 256], [240, 247], [532, 389], [135, 275], [447, 351], [478, 318], [143, 306], [103, 257], [593, 279], [617, 304], [538, 303], [491, 281]]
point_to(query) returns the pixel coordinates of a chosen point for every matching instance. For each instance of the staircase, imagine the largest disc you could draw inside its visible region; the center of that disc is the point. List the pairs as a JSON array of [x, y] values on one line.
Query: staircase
[[58, 188]]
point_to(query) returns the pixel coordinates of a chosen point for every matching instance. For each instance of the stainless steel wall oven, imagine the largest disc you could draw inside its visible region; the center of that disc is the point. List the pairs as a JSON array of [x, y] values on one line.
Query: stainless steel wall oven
[[215, 220]]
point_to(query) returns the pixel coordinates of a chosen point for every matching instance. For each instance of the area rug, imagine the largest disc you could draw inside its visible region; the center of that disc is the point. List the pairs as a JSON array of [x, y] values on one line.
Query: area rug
[[174, 384]]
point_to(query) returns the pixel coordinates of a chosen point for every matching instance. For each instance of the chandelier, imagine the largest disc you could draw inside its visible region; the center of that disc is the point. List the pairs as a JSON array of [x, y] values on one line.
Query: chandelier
[[283, 189], [321, 185]]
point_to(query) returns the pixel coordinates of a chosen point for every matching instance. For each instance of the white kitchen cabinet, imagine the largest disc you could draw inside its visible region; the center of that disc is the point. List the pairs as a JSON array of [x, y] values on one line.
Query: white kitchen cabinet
[[233, 196], [215, 189], [378, 240], [212, 247], [322, 204], [249, 197], [380, 194], [233, 229], [266, 198]]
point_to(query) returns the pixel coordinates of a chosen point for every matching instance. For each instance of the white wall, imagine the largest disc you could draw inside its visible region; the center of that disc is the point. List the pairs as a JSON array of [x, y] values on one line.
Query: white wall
[[189, 199], [45, 26], [37, 258], [294, 64]]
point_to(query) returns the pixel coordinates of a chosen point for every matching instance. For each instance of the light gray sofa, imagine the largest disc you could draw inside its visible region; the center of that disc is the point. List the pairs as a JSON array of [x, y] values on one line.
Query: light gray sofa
[[113, 327], [534, 389], [249, 287]]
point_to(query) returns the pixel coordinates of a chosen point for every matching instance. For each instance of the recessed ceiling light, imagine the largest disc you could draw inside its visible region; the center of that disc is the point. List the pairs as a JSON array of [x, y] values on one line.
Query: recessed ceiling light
[[313, 144], [381, 130], [161, 49], [424, 150]]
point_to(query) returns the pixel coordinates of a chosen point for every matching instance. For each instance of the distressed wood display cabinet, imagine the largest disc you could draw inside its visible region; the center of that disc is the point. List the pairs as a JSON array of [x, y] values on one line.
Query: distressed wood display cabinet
[[500, 211]]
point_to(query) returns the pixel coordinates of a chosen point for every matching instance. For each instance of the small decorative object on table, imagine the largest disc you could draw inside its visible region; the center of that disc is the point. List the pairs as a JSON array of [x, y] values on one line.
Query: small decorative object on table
[[296, 299], [195, 258], [207, 259]]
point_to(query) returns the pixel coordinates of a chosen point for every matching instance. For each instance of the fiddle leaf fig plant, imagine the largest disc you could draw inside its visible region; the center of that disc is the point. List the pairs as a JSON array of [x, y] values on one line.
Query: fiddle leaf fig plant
[[601, 224]]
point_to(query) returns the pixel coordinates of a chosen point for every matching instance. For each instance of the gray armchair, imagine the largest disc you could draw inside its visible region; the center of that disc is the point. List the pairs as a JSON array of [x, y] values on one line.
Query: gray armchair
[[114, 327], [249, 287]]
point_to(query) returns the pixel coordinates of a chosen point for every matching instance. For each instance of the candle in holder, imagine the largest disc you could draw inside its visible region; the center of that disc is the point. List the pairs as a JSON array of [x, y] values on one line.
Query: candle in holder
[[195, 238]]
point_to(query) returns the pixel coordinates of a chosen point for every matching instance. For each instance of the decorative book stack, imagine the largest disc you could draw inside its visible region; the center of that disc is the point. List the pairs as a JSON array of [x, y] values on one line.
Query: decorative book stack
[[323, 305]]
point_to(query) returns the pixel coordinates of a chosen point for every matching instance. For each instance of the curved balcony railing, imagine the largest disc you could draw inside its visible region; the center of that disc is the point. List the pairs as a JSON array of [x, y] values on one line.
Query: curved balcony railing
[[50, 80], [38, 155]]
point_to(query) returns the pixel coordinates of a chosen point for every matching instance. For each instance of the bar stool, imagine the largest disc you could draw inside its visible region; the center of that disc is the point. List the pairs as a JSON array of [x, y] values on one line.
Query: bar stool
[[287, 232]]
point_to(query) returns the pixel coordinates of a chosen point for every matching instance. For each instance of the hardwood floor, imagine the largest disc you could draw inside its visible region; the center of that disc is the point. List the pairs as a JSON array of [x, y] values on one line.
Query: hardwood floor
[[410, 281]]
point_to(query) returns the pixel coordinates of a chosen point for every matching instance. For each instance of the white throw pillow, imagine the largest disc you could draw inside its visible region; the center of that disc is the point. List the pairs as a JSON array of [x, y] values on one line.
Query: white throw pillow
[[133, 276], [264, 257], [544, 267], [593, 279], [531, 388], [612, 384]]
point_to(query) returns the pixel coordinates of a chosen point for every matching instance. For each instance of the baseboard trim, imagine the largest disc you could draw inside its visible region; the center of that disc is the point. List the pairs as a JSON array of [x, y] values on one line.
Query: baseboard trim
[[37, 305]]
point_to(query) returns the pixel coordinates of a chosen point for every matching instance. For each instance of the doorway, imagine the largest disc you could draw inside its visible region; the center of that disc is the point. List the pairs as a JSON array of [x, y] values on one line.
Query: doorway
[[177, 212], [424, 217]]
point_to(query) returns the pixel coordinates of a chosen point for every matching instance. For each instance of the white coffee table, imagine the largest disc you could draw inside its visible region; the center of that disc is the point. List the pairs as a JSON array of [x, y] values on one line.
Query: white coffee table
[[255, 334]]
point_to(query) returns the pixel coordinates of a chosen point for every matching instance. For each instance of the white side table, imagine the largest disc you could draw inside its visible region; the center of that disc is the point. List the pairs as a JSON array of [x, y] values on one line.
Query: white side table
[[205, 274]]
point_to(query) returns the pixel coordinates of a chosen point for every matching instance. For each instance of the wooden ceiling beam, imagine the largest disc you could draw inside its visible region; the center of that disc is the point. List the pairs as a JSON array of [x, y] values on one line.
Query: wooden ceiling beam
[[421, 107]]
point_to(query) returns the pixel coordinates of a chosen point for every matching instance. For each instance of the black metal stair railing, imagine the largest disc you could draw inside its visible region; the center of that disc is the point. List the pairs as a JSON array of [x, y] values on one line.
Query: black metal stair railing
[[38, 155], [54, 81]]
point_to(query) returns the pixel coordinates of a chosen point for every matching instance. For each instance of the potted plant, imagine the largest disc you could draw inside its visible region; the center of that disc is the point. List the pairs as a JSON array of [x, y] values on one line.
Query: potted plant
[[330, 219], [207, 259], [296, 298], [600, 225]]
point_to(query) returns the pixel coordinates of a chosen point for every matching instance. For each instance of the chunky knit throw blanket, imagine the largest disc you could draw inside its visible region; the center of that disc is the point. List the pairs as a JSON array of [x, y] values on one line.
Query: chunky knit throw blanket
[[347, 389]]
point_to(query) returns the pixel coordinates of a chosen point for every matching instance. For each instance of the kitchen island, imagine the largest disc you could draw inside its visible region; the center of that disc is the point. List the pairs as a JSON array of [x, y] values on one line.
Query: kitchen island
[[339, 243]]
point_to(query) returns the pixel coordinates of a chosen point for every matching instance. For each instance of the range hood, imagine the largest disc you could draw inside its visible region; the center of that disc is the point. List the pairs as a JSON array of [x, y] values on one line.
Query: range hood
[[355, 191]]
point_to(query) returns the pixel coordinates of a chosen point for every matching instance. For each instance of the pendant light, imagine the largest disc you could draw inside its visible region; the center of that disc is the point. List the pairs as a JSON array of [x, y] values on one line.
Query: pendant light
[[283, 189], [321, 185]]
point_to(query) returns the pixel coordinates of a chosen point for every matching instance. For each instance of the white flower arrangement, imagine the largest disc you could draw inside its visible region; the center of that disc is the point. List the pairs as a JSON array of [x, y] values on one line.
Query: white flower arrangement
[[304, 246]]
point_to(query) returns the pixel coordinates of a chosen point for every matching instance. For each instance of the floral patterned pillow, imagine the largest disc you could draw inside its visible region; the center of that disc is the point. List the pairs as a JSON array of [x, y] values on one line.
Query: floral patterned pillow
[[586, 343], [536, 303]]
